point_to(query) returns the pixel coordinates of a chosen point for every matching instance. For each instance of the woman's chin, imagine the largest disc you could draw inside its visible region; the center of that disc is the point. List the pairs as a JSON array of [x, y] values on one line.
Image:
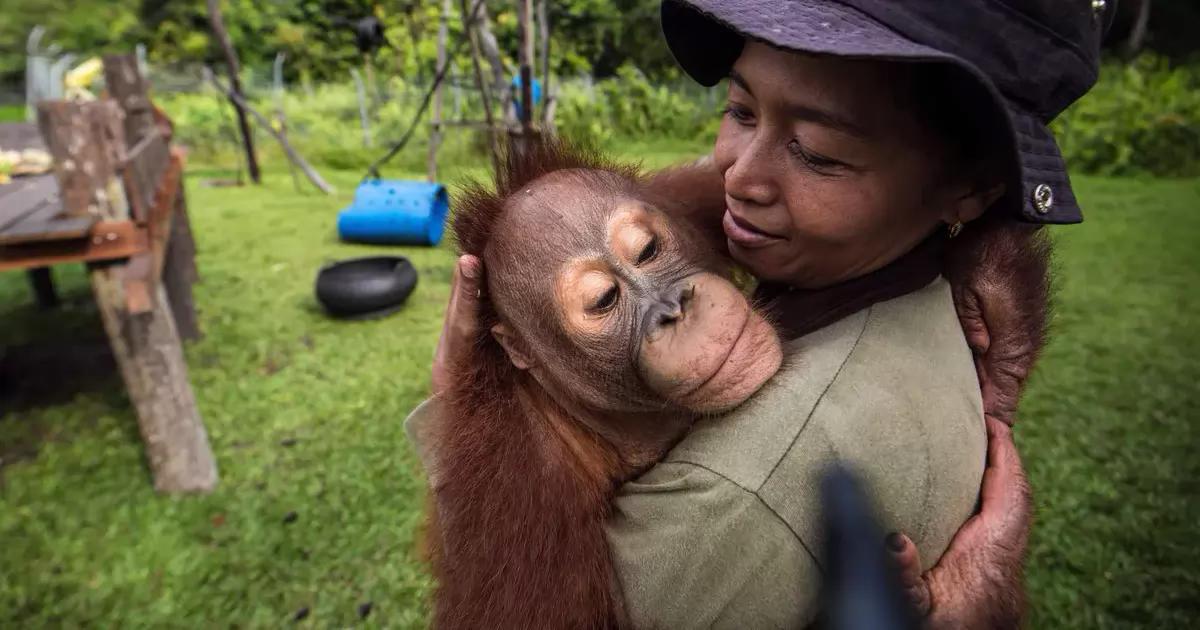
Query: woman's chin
[[766, 264]]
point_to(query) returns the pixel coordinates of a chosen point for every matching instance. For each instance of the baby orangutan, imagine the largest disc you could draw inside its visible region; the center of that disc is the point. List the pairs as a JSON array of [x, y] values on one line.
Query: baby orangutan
[[607, 328]]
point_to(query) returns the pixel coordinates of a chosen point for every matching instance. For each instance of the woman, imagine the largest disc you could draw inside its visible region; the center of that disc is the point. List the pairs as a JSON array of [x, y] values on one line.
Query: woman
[[858, 135]]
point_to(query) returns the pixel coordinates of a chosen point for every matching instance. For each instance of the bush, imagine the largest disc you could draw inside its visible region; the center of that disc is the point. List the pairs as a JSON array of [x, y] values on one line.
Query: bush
[[630, 107], [1142, 118], [323, 122]]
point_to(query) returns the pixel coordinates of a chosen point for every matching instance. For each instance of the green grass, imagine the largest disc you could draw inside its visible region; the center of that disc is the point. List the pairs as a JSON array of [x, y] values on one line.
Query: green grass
[[305, 415], [12, 113]]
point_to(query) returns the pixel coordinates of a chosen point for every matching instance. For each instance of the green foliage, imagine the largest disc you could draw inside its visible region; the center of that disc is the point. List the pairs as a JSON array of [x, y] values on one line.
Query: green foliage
[[631, 107], [1141, 118], [324, 123]]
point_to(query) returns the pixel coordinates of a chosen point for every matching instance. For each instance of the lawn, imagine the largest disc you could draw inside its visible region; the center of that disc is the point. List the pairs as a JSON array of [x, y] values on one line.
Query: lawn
[[320, 493], [12, 113]]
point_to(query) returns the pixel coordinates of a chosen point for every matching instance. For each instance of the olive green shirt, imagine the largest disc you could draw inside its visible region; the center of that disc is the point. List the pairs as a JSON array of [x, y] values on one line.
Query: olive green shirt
[[726, 531]]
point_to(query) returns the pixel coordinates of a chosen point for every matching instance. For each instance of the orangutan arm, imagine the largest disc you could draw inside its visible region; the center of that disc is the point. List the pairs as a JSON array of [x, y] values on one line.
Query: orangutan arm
[[999, 273]]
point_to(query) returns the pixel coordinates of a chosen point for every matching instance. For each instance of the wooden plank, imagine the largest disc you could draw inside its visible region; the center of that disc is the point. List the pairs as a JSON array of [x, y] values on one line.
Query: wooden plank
[[179, 270], [25, 195], [35, 230], [150, 357], [20, 136], [143, 274], [109, 240]]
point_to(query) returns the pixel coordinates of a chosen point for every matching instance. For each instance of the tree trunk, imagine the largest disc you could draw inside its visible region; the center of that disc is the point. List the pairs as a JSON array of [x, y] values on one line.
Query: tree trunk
[[231, 61], [293, 155], [1137, 35], [435, 132]]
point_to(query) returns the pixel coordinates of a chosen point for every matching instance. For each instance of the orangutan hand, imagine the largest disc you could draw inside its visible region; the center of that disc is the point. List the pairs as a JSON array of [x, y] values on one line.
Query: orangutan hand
[[977, 582], [458, 328]]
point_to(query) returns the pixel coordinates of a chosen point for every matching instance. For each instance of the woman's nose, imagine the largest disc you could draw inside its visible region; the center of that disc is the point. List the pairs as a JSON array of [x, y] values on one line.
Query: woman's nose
[[748, 179]]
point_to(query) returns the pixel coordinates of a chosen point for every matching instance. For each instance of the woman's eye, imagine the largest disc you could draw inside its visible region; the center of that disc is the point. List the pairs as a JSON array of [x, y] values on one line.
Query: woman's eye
[[648, 252], [815, 161], [606, 301], [739, 114]]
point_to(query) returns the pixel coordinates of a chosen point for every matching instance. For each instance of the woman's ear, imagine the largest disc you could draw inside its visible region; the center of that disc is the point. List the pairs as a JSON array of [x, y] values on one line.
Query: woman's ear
[[514, 346], [972, 204]]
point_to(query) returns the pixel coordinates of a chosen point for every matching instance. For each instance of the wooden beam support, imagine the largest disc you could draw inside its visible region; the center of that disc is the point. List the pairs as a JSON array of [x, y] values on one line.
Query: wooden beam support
[[150, 356], [108, 240], [143, 272], [41, 280], [86, 141]]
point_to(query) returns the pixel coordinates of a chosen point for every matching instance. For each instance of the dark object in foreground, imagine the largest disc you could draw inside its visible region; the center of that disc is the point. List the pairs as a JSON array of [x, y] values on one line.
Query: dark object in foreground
[[862, 590], [362, 288]]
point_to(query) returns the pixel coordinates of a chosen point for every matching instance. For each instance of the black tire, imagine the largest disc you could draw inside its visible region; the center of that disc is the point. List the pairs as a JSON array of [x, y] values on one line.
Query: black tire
[[365, 287]]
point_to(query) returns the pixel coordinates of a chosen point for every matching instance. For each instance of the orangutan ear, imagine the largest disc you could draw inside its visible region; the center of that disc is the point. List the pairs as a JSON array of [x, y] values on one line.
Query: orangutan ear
[[516, 348]]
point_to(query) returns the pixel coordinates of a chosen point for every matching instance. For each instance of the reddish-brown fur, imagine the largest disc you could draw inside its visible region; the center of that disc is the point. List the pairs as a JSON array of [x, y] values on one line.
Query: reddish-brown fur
[[524, 488], [517, 536]]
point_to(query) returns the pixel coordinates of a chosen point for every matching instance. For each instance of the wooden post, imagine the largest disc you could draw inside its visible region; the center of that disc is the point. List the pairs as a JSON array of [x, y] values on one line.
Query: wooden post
[[468, 19], [85, 140], [179, 271], [127, 85], [231, 61], [525, 59], [291, 153], [544, 42], [41, 280], [435, 131]]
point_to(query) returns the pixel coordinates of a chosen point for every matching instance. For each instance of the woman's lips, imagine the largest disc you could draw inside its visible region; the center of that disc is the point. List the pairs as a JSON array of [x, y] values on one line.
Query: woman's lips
[[744, 234]]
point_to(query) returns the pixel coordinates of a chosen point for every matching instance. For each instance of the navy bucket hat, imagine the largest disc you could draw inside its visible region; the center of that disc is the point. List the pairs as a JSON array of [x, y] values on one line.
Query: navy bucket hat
[[1032, 58]]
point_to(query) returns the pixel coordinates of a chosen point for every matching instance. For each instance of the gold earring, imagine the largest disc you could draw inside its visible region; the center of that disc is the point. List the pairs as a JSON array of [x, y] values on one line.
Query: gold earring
[[954, 228]]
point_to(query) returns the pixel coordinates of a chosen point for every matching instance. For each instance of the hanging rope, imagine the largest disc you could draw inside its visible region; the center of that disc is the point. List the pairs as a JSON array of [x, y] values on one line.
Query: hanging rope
[[373, 169]]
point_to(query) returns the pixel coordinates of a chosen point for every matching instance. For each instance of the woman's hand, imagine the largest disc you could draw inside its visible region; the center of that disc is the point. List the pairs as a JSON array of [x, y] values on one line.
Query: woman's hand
[[458, 329], [977, 582]]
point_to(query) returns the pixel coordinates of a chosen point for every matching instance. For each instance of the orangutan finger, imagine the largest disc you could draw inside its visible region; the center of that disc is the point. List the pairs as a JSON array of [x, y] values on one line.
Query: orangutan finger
[[1005, 491], [907, 561]]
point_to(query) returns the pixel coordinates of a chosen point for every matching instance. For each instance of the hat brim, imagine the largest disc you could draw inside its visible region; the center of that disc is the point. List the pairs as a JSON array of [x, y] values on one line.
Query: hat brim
[[706, 37]]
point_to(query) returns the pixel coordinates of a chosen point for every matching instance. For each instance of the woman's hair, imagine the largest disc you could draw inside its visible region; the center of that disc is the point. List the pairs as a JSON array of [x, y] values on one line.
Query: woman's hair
[[960, 113]]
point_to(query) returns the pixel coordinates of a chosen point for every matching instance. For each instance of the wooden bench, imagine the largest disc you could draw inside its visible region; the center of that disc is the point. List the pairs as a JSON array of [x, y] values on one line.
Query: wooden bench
[[115, 202]]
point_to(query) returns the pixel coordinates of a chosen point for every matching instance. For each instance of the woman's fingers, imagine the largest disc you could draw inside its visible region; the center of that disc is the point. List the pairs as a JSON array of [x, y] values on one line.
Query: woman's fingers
[[461, 321], [908, 562]]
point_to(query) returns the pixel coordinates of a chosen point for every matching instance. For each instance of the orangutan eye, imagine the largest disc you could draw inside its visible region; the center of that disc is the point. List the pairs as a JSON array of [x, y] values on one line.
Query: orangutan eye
[[606, 302], [648, 252]]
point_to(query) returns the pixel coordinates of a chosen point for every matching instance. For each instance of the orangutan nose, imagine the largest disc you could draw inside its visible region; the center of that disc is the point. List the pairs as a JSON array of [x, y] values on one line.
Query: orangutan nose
[[672, 306]]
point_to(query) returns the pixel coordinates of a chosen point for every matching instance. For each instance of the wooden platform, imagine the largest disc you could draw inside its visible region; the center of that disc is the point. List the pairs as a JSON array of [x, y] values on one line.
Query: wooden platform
[[115, 201], [30, 211]]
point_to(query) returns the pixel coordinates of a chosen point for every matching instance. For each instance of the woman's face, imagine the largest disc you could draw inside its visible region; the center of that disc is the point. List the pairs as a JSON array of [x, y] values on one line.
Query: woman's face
[[828, 174]]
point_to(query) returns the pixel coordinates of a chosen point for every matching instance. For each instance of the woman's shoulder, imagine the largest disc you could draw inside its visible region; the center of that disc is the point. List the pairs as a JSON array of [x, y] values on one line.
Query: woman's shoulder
[[903, 357]]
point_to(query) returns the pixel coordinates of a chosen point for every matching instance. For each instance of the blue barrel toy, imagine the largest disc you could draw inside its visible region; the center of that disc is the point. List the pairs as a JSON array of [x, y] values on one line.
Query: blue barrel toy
[[395, 212]]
